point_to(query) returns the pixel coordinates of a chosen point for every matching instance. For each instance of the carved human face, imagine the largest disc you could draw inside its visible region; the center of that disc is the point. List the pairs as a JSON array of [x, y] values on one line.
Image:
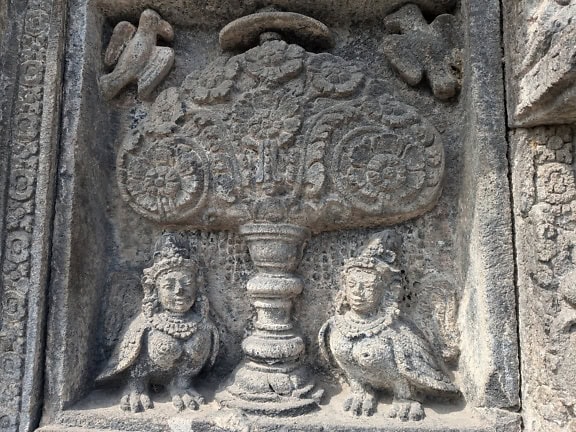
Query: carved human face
[[177, 290], [363, 290]]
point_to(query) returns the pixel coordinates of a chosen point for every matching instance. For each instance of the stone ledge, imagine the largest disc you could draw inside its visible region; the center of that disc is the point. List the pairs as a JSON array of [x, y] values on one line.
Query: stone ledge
[[108, 417], [192, 12]]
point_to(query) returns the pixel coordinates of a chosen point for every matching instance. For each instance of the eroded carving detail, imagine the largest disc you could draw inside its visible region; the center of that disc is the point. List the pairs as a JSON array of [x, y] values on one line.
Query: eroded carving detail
[[544, 70], [545, 198], [373, 343], [21, 210], [172, 339], [418, 49], [550, 206], [135, 56]]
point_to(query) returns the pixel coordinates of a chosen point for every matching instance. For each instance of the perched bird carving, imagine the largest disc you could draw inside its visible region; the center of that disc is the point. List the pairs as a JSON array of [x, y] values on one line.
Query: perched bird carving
[[136, 57], [375, 346]]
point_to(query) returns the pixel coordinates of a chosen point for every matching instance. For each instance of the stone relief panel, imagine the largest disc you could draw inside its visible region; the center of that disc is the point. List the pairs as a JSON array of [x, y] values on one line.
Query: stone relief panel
[[335, 148], [544, 201], [276, 142], [24, 222], [275, 162]]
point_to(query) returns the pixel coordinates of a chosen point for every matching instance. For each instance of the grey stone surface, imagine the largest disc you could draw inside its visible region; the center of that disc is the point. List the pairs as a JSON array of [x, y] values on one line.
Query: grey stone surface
[[541, 68], [544, 190], [29, 143], [540, 74], [217, 12], [276, 151]]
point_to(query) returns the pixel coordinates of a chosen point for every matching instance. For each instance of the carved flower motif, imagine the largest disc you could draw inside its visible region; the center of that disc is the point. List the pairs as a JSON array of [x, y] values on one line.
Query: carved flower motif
[[386, 172], [17, 274], [274, 124], [164, 178], [274, 61], [11, 365], [331, 75], [378, 169], [37, 22], [214, 84], [267, 125], [26, 149], [556, 183]]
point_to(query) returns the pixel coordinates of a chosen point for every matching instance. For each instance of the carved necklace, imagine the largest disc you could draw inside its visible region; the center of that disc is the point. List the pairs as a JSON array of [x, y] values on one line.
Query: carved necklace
[[180, 327], [353, 326]]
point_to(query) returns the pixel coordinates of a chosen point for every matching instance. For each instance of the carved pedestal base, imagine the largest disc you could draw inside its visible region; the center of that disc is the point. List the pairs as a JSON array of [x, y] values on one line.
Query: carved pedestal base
[[271, 380], [263, 389]]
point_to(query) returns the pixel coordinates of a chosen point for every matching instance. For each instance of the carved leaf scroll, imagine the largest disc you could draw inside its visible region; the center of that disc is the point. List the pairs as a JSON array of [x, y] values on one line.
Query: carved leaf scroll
[[280, 134]]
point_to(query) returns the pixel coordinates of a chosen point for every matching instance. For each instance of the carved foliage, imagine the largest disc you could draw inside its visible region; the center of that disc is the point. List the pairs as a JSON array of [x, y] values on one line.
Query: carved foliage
[[308, 134], [551, 206], [21, 210]]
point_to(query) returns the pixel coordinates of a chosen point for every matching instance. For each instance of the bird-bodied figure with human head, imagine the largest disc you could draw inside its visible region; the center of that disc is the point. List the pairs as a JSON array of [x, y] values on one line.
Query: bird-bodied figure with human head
[[172, 339], [375, 345]]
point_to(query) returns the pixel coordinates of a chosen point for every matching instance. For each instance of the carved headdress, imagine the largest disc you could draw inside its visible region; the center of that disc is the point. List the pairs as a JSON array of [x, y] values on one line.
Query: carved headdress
[[170, 252], [378, 255]]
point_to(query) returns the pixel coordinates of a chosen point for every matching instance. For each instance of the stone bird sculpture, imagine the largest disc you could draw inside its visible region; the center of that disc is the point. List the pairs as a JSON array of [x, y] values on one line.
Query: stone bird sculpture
[[417, 49], [136, 56], [375, 346]]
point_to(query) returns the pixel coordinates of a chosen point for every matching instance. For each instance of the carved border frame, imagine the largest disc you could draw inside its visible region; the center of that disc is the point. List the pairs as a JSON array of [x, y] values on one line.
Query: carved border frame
[[30, 145]]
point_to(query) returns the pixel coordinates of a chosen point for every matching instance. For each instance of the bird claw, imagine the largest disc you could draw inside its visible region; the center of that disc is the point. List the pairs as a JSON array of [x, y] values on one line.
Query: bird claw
[[361, 404], [189, 398], [136, 401], [406, 410]]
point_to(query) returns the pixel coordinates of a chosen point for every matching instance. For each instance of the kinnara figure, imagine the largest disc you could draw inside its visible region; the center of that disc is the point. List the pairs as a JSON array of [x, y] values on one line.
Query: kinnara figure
[[172, 339], [370, 340]]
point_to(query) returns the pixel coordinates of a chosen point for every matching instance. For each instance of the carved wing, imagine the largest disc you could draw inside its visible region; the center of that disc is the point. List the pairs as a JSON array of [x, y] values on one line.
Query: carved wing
[[417, 362], [127, 350], [215, 345], [122, 34], [158, 66], [324, 342]]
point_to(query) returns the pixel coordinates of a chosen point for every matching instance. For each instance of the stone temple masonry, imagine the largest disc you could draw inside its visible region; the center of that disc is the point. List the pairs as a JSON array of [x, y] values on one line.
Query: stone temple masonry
[[287, 215]]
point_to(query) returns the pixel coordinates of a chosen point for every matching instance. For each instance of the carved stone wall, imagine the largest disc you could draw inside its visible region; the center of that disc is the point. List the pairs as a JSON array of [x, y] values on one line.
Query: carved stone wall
[[544, 188], [274, 144], [540, 68]]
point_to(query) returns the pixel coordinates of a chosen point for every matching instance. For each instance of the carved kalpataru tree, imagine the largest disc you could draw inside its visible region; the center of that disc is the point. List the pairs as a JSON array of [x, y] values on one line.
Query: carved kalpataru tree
[[278, 142], [377, 347], [172, 339]]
